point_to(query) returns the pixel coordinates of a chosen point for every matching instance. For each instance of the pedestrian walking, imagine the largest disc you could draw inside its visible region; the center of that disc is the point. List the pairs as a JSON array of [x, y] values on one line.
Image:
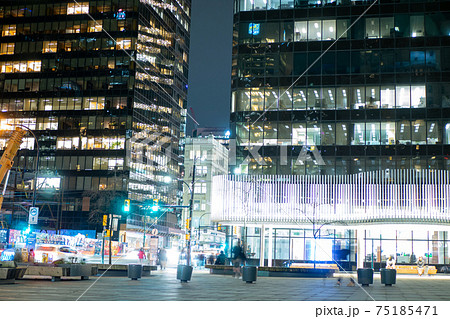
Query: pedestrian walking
[[31, 256], [141, 255], [163, 258], [238, 260]]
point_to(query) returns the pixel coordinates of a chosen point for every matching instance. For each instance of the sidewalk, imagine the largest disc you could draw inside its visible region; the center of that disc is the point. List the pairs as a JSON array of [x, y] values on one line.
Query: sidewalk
[[163, 285]]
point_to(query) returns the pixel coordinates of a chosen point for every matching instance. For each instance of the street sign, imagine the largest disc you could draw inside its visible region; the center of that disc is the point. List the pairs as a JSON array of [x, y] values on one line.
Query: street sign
[[33, 215], [154, 232], [105, 220], [115, 224]]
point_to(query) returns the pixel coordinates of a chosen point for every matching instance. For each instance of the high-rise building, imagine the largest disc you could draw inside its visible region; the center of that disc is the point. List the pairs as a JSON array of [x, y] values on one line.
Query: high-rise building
[[103, 86], [345, 104], [210, 158], [368, 89]]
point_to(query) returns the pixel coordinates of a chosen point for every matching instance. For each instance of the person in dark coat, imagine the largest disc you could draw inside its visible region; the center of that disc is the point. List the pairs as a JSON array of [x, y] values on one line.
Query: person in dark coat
[[221, 259], [238, 260], [211, 259]]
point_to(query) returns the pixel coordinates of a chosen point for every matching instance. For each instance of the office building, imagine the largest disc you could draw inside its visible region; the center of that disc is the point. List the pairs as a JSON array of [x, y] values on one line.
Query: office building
[[341, 88], [103, 86], [210, 158]]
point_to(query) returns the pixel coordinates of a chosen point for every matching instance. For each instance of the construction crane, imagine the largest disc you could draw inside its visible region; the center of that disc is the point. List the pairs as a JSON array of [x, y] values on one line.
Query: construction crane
[[6, 161]]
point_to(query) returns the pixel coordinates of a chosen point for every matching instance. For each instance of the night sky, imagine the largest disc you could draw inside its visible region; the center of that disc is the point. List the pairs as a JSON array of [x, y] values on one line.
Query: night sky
[[210, 63]]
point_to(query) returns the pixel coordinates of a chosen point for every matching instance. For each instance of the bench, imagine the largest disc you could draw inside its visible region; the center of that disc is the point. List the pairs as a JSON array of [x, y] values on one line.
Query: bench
[[121, 270], [263, 271], [220, 269], [9, 271], [318, 266], [411, 269], [56, 272]]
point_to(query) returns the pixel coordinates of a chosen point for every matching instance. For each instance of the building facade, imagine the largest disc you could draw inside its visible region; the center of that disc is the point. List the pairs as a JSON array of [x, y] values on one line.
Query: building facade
[[338, 88], [376, 99], [210, 157], [103, 86]]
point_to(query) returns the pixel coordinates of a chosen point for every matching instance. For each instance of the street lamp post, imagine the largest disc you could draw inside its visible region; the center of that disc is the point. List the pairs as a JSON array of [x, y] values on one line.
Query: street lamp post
[[191, 211], [199, 224]]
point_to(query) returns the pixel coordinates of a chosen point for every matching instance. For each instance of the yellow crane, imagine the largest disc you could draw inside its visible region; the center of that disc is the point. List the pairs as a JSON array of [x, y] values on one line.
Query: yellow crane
[[6, 161]]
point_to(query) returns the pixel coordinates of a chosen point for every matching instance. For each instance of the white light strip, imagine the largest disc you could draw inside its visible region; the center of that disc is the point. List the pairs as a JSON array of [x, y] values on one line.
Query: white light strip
[[388, 196]]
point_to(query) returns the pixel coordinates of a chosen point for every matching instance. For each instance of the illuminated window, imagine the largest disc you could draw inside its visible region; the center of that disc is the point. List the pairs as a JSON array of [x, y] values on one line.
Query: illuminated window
[[372, 28], [7, 48], [50, 123], [123, 44], [95, 26], [417, 26], [329, 30], [9, 30], [20, 66], [90, 103], [49, 46], [8, 124], [78, 8], [67, 143], [200, 188], [33, 66], [315, 30]]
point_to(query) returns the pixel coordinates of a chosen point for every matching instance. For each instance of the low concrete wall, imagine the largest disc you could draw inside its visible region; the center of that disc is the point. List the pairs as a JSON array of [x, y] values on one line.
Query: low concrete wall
[[64, 270], [121, 270], [276, 271]]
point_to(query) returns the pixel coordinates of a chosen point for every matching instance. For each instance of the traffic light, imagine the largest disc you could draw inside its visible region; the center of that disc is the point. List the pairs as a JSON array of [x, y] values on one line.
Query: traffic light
[[219, 227], [188, 224], [126, 205], [155, 206]]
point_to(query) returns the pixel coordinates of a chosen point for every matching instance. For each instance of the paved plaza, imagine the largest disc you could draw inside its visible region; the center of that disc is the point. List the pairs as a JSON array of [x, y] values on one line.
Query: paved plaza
[[163, 285]]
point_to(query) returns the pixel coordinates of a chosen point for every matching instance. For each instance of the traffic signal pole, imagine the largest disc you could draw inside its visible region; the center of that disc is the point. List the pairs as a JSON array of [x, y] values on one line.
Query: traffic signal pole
[[110, 238], [191, 204]]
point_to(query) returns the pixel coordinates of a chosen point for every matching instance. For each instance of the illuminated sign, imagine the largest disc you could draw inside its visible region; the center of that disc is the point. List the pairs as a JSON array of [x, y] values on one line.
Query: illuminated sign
[[254, 28], [121, 15]]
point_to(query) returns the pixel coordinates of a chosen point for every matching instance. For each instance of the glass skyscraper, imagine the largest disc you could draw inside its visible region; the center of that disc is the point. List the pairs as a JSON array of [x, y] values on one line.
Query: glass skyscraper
[[335, 90], [103, 85], [368, 89]]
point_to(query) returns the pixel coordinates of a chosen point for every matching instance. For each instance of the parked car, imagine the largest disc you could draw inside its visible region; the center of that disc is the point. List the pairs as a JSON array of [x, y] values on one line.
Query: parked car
[[51, 253]]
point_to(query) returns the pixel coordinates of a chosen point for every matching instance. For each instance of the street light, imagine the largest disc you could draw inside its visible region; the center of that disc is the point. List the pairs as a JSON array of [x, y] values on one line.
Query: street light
[[200, 224], [191, 210]]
